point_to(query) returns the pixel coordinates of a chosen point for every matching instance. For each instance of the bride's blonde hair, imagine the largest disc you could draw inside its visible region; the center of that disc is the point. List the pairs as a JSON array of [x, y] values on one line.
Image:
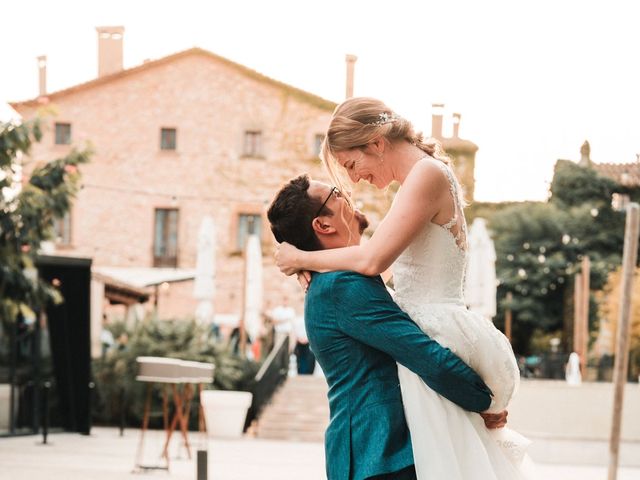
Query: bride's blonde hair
[[358, 121]]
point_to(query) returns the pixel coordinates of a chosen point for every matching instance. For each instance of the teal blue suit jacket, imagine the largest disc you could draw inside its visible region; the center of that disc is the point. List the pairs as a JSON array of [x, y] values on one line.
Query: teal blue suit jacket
[[358, 333]]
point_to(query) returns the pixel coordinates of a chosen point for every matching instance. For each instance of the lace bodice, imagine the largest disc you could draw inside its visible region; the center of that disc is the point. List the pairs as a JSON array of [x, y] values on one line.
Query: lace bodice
[[431, 269]]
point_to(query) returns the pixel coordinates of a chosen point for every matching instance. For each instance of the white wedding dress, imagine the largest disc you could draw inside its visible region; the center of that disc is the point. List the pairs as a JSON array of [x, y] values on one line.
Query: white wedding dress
[[450, 443]]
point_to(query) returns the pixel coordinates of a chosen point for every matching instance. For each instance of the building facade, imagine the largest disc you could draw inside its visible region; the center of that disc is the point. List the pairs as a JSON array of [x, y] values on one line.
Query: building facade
[[177, 139]]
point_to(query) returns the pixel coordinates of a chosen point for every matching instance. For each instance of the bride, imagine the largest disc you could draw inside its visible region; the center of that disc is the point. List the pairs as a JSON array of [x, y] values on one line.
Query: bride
[[424, 237]]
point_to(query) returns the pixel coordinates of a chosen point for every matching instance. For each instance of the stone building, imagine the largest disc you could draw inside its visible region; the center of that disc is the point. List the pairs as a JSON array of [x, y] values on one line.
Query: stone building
[[176, 139]]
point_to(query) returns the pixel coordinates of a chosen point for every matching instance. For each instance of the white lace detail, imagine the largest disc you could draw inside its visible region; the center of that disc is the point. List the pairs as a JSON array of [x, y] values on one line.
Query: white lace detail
[[454, 187], [428, 280]]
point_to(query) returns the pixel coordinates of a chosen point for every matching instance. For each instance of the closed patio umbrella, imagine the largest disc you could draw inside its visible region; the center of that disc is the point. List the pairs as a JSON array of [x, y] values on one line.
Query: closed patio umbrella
[[480, 282], [204, 286], [253, 287]]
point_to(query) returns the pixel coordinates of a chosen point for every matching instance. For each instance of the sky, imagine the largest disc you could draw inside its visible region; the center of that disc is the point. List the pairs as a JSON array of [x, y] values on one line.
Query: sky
[[532, 80]]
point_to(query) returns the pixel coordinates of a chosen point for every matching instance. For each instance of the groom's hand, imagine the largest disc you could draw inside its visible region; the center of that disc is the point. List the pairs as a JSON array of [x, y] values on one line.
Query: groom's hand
[[495, 420]]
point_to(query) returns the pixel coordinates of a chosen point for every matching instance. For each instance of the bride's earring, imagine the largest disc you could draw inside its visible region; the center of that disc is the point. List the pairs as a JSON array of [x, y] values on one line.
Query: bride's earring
[[380, 156]]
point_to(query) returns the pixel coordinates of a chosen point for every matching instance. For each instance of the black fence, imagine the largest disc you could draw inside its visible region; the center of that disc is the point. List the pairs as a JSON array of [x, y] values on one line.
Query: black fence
[[271, 375]]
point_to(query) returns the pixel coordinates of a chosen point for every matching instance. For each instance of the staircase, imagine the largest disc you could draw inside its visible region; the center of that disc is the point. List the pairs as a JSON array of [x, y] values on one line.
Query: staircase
[[299, 411]]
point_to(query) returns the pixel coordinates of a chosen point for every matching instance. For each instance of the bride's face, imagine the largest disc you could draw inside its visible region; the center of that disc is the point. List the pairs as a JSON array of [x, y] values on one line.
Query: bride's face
[[363, 164]]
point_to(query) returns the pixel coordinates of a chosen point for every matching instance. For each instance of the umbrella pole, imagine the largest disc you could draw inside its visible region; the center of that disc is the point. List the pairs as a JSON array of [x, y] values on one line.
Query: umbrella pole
[[508, 320], [242, 324]]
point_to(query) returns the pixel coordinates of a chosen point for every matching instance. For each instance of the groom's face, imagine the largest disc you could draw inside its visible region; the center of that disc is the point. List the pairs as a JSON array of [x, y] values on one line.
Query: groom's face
[[345, 226]]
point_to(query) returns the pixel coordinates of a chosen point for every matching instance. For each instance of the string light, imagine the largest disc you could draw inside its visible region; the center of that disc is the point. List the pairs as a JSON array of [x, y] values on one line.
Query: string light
[[173, 197]]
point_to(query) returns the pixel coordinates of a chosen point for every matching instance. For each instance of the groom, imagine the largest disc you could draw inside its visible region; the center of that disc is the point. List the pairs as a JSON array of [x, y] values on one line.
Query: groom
[[358, 334]]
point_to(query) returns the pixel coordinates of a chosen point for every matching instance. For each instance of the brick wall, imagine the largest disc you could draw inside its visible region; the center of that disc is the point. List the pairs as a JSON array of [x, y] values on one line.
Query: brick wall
[[210, 104]]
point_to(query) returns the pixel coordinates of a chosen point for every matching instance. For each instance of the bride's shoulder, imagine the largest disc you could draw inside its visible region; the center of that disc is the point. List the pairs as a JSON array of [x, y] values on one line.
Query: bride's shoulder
[[429, 174]]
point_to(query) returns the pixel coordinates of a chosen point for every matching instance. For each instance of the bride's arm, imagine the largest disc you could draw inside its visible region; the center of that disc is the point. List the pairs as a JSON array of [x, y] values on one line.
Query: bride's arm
[[417, 202]]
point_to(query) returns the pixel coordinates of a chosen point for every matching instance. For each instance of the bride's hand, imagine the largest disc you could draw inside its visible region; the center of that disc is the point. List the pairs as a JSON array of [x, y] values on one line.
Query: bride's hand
[[304, 279], [286, 255]]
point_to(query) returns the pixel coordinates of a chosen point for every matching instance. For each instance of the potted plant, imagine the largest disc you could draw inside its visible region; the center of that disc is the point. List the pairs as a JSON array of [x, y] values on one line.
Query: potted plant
[[225, 406]]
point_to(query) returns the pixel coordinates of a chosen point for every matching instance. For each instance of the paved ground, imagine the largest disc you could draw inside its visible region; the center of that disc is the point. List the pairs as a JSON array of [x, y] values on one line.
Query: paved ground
[[106, 456]]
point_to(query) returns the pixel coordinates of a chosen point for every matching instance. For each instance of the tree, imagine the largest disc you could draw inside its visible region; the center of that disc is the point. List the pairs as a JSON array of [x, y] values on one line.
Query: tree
[[540, 246], [27, 215], [573, 186]]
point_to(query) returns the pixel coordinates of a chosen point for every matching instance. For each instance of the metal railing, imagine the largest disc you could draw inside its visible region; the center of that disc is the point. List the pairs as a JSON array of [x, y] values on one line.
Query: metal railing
[[271, 375]]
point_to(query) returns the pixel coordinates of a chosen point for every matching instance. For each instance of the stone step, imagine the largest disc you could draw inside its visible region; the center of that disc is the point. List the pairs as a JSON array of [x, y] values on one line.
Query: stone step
[[299, 411], [288, 413], [296, 438], [284, 427]]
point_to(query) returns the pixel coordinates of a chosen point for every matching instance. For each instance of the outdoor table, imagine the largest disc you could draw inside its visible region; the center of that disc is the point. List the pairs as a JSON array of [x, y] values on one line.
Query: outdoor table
[[171, 373]]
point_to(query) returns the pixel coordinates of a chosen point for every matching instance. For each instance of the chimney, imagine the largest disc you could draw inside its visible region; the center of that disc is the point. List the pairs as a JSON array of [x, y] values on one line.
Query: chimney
[[109, 50], [456, 124], [42, 75], [585, 155], [351, 63], [437, 110]]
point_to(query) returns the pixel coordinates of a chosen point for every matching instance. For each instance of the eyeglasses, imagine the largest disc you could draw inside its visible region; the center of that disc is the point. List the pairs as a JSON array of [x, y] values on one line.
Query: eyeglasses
[[334, 192]]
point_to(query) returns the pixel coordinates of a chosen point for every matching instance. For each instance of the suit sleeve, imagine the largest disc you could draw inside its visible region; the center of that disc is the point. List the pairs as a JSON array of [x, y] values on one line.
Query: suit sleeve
[[366, 312]]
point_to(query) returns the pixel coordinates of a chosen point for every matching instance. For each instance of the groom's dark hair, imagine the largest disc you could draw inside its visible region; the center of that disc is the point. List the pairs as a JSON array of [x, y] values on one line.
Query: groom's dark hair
[[292, 212]]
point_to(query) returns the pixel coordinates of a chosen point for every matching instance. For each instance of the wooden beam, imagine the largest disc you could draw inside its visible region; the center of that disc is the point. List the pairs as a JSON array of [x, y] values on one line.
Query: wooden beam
[[577, 314], [508, 320], [630, 256], [584, 311]]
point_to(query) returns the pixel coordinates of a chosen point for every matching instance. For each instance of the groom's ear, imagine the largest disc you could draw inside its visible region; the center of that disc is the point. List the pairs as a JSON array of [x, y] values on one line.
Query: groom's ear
[[322, 226]]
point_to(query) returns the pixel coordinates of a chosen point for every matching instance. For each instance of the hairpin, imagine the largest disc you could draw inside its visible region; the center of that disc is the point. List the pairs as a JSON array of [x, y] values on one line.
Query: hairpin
[[384, 118]]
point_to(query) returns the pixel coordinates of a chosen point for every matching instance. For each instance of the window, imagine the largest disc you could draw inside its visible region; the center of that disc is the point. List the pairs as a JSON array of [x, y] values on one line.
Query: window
[[248, 224], [62, 229], [63, 133], [317, 143], [252, 143], [165, 239], [167, 138]]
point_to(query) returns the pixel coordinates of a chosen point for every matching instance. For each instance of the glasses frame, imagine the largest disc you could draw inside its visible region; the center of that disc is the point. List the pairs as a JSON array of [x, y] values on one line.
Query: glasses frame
[[333, 191]]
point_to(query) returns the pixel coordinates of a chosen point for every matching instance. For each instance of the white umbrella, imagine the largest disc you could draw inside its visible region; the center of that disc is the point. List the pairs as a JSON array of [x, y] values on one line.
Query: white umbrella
[[253, 287], [204, 286], [480, 283]]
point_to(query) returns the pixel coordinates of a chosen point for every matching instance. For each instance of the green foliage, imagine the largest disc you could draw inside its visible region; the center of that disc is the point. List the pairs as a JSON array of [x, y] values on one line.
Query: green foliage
[[116, 371], [487, 209], [541, 341], [27, 215], [539, 248], [574, 186]]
